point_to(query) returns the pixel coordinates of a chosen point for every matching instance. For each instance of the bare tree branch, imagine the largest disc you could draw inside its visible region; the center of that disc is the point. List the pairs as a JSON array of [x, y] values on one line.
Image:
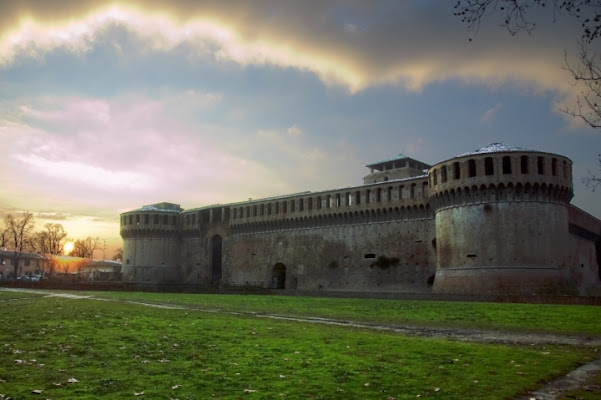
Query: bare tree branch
[[587, 76], [593, 181], [85, 248], [19, 235], [517, 13], [52, 240], [586, 72]]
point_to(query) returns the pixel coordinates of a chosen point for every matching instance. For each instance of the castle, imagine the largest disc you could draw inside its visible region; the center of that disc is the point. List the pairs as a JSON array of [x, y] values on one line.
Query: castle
[[497, 220]]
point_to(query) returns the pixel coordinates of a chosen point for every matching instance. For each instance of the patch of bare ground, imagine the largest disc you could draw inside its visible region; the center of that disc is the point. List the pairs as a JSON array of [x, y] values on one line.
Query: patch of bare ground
[[575, 380]]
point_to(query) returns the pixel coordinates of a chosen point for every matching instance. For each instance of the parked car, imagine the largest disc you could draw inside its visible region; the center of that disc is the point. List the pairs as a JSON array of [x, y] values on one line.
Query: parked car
[[24, 278]]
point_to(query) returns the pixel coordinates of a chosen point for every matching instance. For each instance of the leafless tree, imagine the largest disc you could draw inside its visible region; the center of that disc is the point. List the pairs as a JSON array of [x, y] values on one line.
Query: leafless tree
[[3, 238], [585, 72], [51, 240], [593, 181], [19, 231], [118, 256], [587, 77], [517, 14], [85, 248], [53, 265]]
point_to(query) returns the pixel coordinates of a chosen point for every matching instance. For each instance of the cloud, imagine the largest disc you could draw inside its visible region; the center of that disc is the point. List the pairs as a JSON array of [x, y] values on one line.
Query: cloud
[[409, 44], [294, 130], [74, 150], [84, 175], [53, 216], [491, 113]]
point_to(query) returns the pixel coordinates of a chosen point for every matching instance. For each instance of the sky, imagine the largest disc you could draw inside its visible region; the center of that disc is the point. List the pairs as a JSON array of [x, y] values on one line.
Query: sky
[[106, 107]]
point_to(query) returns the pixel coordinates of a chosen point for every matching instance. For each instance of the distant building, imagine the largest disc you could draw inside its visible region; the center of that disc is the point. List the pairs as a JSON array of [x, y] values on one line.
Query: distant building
[[101, 270], [29, 264], [497, 220], [398, 167]]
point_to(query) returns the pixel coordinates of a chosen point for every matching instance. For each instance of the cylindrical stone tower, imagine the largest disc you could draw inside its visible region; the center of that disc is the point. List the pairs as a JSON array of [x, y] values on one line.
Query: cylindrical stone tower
[[501, 216], [151, 244]]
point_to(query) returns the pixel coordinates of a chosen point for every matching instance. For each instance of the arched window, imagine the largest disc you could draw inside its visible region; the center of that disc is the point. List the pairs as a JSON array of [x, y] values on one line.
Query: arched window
[[367, 196], [489, 167], [471, 168], [541, 165], [456, 171], [524, 164], [554, 166], [506, 165], [443, 174]]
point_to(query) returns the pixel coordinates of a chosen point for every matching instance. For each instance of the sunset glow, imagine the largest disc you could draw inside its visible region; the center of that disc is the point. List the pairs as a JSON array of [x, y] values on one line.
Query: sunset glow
[[68, 248]]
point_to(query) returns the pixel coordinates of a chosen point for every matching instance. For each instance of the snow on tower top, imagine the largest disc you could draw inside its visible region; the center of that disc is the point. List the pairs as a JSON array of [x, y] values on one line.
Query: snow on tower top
[[495, 148], [165, 207]]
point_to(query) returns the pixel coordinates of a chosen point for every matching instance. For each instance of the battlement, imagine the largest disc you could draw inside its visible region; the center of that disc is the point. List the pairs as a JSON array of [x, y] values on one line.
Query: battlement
[[518, 172], [492, 221]]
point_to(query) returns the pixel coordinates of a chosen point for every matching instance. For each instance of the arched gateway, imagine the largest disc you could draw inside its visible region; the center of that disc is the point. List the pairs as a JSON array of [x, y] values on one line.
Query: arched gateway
[[278, 276]]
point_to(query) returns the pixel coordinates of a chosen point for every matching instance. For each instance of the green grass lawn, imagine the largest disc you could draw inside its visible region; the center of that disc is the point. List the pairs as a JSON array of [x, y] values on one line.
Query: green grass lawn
[[549, 318], [116, 350]]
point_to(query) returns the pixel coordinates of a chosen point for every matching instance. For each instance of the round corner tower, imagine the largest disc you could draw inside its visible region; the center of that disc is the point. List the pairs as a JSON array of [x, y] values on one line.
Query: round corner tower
[[151, 249], [501, 218]]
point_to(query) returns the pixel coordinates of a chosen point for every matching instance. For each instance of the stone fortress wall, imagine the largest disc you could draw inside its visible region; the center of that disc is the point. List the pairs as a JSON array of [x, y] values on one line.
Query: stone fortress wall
[[497, 220]]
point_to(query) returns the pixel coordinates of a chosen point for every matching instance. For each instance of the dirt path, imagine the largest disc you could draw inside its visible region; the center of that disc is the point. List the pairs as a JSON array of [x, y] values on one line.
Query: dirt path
[[551, 391]]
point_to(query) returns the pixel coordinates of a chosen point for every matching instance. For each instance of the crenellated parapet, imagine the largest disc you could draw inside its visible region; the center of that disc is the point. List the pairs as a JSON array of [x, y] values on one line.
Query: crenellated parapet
[[497, 220], [501, 220], [196, 222], [500, 173], [494, 193], [157, 220], [337, 219], [151, 236], [371, 203]]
